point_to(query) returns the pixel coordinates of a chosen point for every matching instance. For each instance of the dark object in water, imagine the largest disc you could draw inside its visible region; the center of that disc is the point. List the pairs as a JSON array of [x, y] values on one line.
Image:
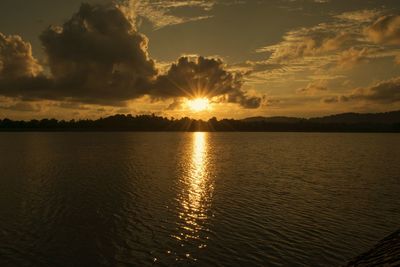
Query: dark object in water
[[385, 253]]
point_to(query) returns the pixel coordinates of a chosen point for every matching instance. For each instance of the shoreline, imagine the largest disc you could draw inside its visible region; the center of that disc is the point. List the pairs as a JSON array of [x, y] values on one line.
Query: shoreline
[[43, 130]]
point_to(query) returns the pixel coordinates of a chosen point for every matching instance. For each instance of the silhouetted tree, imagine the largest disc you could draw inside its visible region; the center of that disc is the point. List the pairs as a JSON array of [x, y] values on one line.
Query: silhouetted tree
[[348, 122]]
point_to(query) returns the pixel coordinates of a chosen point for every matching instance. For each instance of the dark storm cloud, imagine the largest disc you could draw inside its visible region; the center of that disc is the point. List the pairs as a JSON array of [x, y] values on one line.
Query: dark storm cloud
[[97, 54], [98, 57], [95, 57], [385, 92], [203, 77], [29, 87]]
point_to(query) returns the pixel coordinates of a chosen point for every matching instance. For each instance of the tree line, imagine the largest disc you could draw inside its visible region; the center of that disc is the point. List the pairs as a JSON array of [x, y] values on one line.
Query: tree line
[[157, 123]]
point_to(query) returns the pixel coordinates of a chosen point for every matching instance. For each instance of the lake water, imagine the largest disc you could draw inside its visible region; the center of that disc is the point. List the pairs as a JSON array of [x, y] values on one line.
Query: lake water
[[206, 199]]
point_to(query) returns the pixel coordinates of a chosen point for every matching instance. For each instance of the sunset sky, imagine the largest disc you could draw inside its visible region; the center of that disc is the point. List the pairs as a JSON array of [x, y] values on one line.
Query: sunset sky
[[65, 59]]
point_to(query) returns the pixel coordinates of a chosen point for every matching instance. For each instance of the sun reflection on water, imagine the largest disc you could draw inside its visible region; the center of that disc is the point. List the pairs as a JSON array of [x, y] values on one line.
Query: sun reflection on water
[[198, 172], [196, 194]]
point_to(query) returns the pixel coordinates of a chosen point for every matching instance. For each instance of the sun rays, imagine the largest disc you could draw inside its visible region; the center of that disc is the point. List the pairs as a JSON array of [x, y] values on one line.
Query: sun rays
[[198, 104]]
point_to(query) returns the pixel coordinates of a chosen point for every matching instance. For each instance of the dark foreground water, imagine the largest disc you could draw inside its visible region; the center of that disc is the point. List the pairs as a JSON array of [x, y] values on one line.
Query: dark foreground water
[[207, 199]]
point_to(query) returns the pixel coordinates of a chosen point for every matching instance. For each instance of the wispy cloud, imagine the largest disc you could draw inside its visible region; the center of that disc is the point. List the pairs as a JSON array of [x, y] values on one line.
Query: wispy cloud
[[385, 30], [350, 38], [364, 15], [161, 13]]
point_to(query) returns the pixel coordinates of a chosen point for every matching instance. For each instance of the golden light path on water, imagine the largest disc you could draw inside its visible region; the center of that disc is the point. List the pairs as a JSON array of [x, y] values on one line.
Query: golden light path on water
[[196, 193]]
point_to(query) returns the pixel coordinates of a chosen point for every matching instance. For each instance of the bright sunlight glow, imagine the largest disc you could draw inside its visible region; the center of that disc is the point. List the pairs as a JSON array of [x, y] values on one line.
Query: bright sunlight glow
[[198, 104]]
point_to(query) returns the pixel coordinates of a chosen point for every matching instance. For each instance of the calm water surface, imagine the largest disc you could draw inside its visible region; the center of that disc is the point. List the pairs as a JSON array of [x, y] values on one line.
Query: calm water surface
[[206, 199]]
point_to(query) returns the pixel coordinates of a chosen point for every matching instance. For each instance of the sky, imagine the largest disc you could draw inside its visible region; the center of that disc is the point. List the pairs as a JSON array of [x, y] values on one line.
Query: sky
[[69, 59]]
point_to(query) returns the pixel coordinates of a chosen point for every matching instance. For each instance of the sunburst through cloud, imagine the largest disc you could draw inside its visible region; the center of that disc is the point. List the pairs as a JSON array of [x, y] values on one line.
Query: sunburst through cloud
[[199, 133]]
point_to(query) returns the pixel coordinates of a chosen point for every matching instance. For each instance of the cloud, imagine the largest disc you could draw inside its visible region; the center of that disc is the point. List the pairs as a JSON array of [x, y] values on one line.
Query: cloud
[[161, 13], [71, 105], [309, 49], [203, 77], [315, 49], [98, 57], [95, 57], [329, 48], [365, 15], [385, 30], [397, 59], [353, 56], [308, 42], [385, 92], [330, 99], [313, 88], [177, 104], [22, 106], [16, 58], [250, 67]]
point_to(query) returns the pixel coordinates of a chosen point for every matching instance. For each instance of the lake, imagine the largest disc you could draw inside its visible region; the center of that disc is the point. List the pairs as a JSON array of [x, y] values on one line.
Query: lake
[[206, 199]]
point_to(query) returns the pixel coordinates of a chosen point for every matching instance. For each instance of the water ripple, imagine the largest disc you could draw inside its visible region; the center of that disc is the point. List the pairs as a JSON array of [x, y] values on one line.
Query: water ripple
[[220, 199]]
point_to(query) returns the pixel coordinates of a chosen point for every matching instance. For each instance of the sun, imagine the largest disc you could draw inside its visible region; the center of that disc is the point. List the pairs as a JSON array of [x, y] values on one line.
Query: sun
[[198, 104]]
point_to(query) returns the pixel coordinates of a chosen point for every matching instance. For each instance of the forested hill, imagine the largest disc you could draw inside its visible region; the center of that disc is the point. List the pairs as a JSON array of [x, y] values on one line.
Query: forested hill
[[349, 118], [346, 122]]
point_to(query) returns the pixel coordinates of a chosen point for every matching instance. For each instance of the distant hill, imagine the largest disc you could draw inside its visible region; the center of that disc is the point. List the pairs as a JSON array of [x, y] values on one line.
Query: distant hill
[[385, 118], [346, 118], [278, 119]]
